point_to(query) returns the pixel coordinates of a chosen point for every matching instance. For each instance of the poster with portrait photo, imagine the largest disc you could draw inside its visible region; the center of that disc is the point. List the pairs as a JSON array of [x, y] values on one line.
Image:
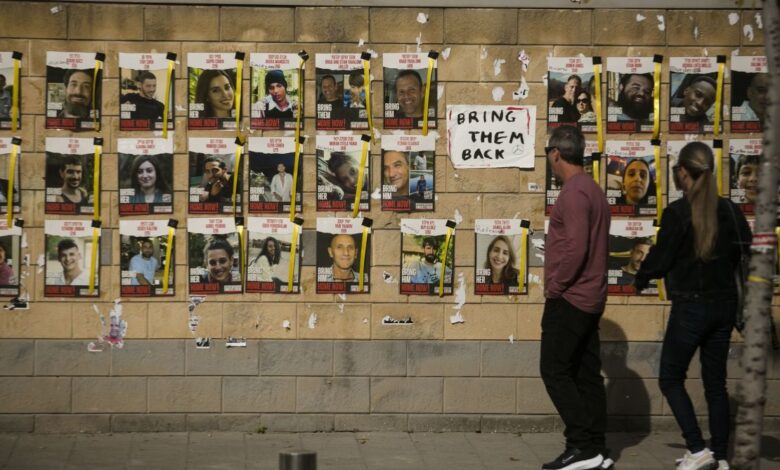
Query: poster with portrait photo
[[10, 259], [145, 169], [69, 248], [408, 176], [271, 167], [497, 257], [211, 90], [214, 251], [339, 245], [629, 242], [630, 85], [7, 86], [405, 76], [422, 257], [213, 170], [275, 97], [567, 79], [673, 148], [142, 258], [693, 83], [6, 144], [70, 176], [749, 93], [745, 165], [341, 92], [553, 186], [142, 82], [72, 101], [269, 245], [630, 177], [338, 167]]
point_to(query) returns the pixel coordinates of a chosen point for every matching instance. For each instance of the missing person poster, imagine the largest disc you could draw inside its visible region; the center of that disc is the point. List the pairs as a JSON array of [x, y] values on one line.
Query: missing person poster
[[145, 169], [693, 85], [423, 256], [214, 256], [269, 248], [408, 183], [6, 144], [629, 242], [630, 85], [673, 148], [70, 176], [339, 251], [569, 78], [7, 87], [69, 251], [271, 166], [749, 93], [338, 167], [405, 78], [73, 95], [215, 178], [553, 185], [10, 259], [745, 166], [630, 177], [275, 97], [143, 246], [497, 257], [211, 90], [143, 79], [341, 92]]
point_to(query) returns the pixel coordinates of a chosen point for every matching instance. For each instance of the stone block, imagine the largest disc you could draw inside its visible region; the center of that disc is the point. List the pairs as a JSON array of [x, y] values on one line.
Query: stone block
[[333, 322], [701, 28], [258, 394], [33, 20], [259, 320], [519, 424], [444, 423], [370, 423], [296, 357], [399, 25], [332, 395], [202, 422], [549, 26], [532, 397], [298, 423], [221, 360], [636, 397], [17, 423], [239, 423], [115, 22], [72, 424], [148, 423], [370, 358], [69, 358], [240, 24], [623, 27], [181, 23], [505, 359], [406, 395], [428, 321], [331, 24], [16, 357], [141, 357], [43, 320], [478, 395], [184, 394], [109, 394], [632, 323], [502, 323], [630, 359], [480, 25], [444, 358]]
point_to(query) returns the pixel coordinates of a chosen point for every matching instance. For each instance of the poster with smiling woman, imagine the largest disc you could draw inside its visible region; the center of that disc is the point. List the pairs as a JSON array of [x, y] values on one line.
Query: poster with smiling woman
[[630, 177], [498, 257], [145, 176], [212, 90], [214, 256]]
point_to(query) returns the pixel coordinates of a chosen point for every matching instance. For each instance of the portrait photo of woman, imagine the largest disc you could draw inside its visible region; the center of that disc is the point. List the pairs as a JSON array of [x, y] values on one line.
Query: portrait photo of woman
[[215, 90]]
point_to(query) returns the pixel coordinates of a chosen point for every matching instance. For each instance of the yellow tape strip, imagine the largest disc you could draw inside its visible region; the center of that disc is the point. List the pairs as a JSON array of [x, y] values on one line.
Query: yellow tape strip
[[596, 170], [777, 253], [659, 203], [236, 174], [300, 103], [296, 164], [444, 261], [367, 86], [98, 64], [168, 251], [426, 100], [15, 97], [759, 279], [361, 170], [291, 266], [719, 169], [242, 248], [523, 260], [363, 245], [239, 79], [718, 99], [597, 104], [96, 182], [93, 261], [167, 100], [660, 283], [657, 100], [11, 175]]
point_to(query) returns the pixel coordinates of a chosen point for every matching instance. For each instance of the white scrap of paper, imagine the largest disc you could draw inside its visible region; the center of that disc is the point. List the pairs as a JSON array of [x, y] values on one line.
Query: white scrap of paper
[[419, 42], [457, 318], [534, 279], [483, 53], [340, 307], [457, 217], [661, 22], [422, 18], [24, 239], [512, 339], [342, 296], [460, 292], [747, 30], [312, 320], [497, 66], [286, 324], [759, 20], [695, 32], [446, 53], [522, 91], [439, 91], [498, 93], [533, 186], [41, 263], [361, 42], [733, 18], [377, 194], [524, 60], [640, 17], [544, 80], [388, 278]]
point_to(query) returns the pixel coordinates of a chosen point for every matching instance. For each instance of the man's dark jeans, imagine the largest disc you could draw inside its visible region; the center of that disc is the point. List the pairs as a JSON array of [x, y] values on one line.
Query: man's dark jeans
[[705, 325], [570, 366]]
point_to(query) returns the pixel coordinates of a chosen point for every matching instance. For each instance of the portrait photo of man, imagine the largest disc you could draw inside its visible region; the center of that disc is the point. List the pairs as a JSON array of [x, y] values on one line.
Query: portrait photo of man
[[143, 100], [72, 268]]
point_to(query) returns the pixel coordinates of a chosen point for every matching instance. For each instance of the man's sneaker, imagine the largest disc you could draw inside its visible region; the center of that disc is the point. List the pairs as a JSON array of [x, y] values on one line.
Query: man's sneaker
[[701, 461], [609, 463], [723, 465], [575, 459]]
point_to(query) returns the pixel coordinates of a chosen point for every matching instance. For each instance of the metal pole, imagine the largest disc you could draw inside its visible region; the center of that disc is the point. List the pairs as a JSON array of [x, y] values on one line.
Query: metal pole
[[298, 460]]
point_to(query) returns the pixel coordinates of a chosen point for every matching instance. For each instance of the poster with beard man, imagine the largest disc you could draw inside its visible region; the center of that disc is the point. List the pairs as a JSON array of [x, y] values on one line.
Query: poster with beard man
[[339, 248], [405, 76], [749, 93], [269, 245], [346, 110], [10, 259], [145, 169], [673, 148], [408, 173], [745, 165], [693, 86], [211, 90], [567, 79], [630, 178], [214, 256], [69, 248], [338, 169], [143, 79], [423, 255], [7, 87], [553, 186], [6, 147], [271, 168], [497, 257], [214, 174], [70, 175], [73, 96], [142, 258], [630, 94], [629, 242], [275, 97]]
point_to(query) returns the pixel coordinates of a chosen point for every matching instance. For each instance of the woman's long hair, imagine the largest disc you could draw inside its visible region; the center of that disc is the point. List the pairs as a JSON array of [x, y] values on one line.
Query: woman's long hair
[[509, 272], [160, 183], [699, 162], [202, 89]]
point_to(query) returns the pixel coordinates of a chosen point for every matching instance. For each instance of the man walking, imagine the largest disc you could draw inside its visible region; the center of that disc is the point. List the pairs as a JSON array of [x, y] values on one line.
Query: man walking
[[575, 288]]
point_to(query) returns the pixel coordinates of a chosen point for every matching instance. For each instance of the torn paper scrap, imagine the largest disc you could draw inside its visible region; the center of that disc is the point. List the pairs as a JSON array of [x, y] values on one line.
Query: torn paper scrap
[[312, 320], [388, 320], [422, 18], [457, 318]]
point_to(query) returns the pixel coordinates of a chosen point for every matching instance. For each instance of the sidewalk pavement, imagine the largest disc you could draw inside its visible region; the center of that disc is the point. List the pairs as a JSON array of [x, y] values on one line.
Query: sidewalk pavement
[[336, 451]]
